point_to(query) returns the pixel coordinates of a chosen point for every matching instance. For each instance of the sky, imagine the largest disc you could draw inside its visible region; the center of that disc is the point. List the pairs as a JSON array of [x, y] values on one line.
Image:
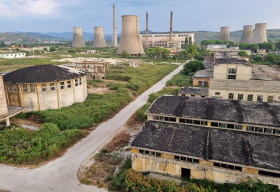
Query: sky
[[189, 15]]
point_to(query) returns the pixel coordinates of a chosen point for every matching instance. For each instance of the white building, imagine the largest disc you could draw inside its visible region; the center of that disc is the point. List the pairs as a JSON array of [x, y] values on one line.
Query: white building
[[12, 55]]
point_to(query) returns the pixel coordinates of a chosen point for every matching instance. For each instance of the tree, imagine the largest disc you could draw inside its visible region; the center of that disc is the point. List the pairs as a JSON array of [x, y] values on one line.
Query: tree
[[157, 52], [186, 42], [124, 54], [71, 51], [2, 44], [78, 49], [243, 53], [45, 49], [268, 46], [52, 49], [277, 44], [193, 66], [190, 41], [256, 58]]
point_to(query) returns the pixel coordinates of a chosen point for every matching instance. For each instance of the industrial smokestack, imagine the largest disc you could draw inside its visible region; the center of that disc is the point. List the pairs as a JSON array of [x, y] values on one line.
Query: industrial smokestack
[[115, 35], [259, 35], [171, 26], [247, 34], [78, 38], [99, 39], [147, 30], [130, 37], [225, 34]]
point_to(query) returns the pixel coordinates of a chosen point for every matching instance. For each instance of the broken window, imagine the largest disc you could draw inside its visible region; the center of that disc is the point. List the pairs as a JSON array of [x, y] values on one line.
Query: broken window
[[260, 98], [240, 96], [239, 127], [214, 124], [76, 82], [61, 85], [270, 99], [68, 84], [25, 88], [217, 93], [250, 128], [250, 98], [232, 73], [52, 86], [80, 81], [44, 87], [200, 83], [230, 96], [32, 87], [15, 88]]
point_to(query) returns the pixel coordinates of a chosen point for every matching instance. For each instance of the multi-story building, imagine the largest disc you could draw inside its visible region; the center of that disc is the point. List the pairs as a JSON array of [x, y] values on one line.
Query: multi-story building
[[234, 79], [163, 40], [224, 141]]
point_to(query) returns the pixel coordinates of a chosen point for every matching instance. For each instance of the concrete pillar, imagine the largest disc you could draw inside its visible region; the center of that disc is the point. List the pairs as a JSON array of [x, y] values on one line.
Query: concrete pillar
[[8, 122]]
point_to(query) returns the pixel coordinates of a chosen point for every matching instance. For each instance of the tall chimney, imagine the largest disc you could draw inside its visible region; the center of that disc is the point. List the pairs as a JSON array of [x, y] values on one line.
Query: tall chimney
[[147, 30], [115, 35], [171, 25]]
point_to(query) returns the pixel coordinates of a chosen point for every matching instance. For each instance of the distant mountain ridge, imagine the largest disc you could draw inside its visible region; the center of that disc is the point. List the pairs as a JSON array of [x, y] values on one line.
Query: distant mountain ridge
[[21, 37]]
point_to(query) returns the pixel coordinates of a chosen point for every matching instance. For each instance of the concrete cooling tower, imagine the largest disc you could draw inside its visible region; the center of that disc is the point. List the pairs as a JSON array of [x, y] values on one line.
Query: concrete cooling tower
[[99, 39], [259, 35], [130, 38], [247, 34], [78, 38], [225, 34]]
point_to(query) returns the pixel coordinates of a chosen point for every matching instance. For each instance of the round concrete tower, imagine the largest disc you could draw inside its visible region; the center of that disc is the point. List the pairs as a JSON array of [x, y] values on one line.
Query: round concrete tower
[[99, 39], [259, 35], [130, 38], [247, 34], [78, 38], [225, 34]]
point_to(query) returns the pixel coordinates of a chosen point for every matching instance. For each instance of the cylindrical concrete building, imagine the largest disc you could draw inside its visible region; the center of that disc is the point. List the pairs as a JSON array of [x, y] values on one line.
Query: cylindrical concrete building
[[247, 34], [78, 38], [259, 35], [225, 34], [99, 39], [43, 87], [130, 37]]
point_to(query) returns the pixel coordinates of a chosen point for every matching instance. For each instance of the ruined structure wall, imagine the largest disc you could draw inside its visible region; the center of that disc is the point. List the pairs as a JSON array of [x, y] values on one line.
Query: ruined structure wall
[[225, 34], [204, 170], [247, 34], [99, 39], [3, 101], [243, 72], [206, 81], [130, 38], [259, 35], [78, 38]]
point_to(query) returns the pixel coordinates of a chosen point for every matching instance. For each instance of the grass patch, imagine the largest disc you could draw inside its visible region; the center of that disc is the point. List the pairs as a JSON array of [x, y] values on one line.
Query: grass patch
[[20, 146], [180, 80]]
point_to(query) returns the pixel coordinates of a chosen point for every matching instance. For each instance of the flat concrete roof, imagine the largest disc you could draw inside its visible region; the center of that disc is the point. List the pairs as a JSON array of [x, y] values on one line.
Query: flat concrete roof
[[12, 111]]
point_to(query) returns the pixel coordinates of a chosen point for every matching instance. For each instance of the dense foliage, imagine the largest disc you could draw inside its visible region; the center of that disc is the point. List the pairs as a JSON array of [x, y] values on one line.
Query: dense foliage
[[157, 53], [192, 67], [243, 54], [22, 147], [268, 46]]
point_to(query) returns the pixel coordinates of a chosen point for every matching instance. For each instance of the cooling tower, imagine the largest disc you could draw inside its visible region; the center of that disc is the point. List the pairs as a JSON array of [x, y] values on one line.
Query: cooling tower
[[99, 39], [78, 38], [259, 35], [247, 34], [115, 35], [130, 37], [225, 34]]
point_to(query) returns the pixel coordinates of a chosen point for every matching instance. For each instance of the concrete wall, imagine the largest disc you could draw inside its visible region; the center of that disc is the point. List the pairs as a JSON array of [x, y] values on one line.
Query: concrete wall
[[205, 81], [202, 170], [3, 101], [243, 72], [40, 100]]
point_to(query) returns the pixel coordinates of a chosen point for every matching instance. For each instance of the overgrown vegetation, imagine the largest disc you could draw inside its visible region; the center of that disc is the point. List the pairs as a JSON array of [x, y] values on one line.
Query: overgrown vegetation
[[218, 42], [20, 146]]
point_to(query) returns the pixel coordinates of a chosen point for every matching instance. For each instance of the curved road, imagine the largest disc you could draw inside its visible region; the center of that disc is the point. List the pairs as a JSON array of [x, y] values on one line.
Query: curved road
[[61, 174]]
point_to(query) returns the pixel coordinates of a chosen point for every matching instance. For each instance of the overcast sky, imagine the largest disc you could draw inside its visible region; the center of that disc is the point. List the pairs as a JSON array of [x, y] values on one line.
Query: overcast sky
[[189, 15]]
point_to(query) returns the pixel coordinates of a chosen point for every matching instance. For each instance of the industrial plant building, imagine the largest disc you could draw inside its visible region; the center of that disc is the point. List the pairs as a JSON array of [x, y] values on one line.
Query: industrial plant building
[[205, 138], [45, 87], [163, 40], [12, 55]]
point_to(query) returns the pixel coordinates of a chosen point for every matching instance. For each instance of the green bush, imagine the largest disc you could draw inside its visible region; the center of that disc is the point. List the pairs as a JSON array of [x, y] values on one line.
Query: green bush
[[141, 116], [22, 147], [243, 54], [193, 66]]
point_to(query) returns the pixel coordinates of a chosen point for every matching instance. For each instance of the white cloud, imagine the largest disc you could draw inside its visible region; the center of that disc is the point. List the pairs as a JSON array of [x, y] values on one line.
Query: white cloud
[[15, 8]]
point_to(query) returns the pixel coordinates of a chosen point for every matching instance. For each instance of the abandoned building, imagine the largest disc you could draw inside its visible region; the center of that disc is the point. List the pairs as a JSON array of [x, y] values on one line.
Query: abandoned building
[[94, 70], [6, 111], [193, 91], [45, 87], [235, 79], [202, 78], [224, 141]]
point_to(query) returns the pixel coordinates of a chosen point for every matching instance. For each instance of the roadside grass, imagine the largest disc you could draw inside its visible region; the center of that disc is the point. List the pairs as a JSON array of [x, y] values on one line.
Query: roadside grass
[[180, 80], [20, 146]]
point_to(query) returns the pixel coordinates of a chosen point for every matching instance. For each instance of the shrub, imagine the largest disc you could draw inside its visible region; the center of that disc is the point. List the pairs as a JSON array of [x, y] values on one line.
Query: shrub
[[243, 54], [141, 116], [193, 66]]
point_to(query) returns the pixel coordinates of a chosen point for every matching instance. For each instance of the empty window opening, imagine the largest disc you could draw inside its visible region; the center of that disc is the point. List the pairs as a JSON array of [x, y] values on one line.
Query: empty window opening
[[260, 98], [217, 93], [266, 173], [185, 173], [44, 87], [240, 96], [68, 84], [52, 86], [61, 85], [250, 98]]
